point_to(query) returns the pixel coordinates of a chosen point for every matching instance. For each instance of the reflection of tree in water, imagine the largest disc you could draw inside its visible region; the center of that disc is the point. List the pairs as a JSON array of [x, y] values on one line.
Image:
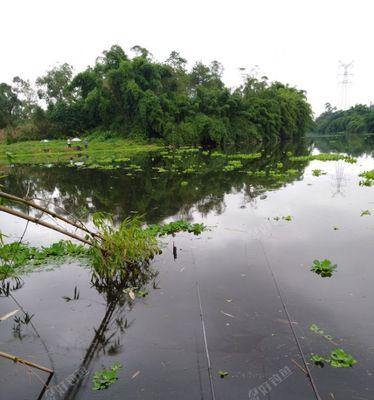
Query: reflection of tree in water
[[211, 203], [251, 193], [354, 145], [153, 194], [107, 336]]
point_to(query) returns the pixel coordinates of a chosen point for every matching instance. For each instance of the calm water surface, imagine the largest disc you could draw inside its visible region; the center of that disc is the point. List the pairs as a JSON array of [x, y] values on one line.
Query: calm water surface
[[159, 339]]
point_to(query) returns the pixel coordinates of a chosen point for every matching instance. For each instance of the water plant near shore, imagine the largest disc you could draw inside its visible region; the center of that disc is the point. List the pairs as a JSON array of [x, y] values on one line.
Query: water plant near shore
[[15, 257], [115, 248], [176, 226]]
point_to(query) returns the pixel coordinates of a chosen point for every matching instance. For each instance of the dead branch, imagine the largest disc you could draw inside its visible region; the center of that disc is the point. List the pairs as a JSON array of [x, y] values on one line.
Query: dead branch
[[45, 210], [47, 225], [25, 362]]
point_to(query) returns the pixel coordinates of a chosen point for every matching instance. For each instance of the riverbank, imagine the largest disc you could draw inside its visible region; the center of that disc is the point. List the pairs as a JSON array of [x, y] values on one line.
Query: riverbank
[[56, 151]]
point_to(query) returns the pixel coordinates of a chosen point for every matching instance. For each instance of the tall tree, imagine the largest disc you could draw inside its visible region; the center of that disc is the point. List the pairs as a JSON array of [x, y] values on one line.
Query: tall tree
[[53, 86], [26, 94]]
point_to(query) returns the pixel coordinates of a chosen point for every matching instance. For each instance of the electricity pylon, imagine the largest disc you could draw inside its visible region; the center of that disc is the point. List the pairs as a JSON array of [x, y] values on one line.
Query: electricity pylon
[[345, 82]]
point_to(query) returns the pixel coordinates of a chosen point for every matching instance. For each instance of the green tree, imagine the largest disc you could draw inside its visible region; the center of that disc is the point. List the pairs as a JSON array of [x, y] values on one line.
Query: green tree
[[53, 86], [9, 105]]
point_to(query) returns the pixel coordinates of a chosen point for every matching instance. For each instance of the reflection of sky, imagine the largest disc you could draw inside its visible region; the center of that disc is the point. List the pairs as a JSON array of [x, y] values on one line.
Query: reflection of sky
[[329, 196], [342, 304]]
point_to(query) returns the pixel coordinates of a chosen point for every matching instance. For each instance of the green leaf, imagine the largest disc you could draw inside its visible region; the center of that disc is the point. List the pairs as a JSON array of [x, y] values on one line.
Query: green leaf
[[318, 360], [104, 379], [222, 374], [340, 359]]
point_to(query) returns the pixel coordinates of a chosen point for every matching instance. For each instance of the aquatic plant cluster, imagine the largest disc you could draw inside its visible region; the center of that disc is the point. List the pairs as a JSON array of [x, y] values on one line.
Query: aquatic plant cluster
[[122, 247], [140, 97], [325, 157], [15, 256], [368, 178], [104, 379], [325, 268], [338, 358], [176, 226]]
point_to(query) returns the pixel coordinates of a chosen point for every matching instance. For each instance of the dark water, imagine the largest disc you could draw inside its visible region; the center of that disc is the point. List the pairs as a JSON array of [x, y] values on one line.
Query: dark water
[[235, 267]]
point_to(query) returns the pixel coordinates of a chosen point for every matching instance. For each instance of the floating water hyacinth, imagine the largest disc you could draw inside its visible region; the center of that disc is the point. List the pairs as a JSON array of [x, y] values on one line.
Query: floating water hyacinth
[[324, 268]]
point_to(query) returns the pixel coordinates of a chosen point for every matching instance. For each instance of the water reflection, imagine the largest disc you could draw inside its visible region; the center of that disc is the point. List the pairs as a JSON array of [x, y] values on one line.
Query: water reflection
[[196, 181], [353, 144], [230, 269], [339, 180], [112, 326]]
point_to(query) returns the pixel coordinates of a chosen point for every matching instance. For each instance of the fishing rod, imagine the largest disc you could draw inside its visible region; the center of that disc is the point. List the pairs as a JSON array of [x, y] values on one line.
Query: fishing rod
[[309, 375], [205, 342], [276, 284], [207, 356]]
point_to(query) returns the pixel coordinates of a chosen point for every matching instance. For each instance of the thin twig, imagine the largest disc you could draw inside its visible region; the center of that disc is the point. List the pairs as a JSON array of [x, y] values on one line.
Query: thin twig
[[299, 366]]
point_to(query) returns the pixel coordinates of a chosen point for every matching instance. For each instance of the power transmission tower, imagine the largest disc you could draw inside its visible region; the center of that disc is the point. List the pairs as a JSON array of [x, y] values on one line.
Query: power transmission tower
[[345, 83]]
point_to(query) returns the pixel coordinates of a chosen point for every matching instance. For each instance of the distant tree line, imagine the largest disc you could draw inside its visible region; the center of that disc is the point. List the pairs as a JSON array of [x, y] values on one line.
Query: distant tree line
[[139, 97], [357, 119]]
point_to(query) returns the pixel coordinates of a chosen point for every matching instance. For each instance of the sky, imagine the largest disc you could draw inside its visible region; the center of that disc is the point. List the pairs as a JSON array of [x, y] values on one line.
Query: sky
[[292, 41]]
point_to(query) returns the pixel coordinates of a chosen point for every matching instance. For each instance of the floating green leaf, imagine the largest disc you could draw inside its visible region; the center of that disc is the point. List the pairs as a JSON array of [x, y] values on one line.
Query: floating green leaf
[[318, 172], [325, 268], [340, 359], [105, 378], [222, 374], [318, 360], [368, 178]]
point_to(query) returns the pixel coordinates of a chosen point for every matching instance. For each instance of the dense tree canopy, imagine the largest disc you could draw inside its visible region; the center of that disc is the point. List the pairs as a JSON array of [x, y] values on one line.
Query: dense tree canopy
[[140, 97], [358, 119]]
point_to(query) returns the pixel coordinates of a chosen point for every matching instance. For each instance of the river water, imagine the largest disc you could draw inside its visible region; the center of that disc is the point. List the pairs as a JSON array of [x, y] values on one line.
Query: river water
[[231, 273]]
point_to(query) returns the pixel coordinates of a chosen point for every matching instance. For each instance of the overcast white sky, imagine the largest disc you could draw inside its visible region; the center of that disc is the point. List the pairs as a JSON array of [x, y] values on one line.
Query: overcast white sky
[[294, 41]]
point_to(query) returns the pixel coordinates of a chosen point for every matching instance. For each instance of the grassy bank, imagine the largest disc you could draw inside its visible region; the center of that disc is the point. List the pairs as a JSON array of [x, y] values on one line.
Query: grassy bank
[[57, 151]]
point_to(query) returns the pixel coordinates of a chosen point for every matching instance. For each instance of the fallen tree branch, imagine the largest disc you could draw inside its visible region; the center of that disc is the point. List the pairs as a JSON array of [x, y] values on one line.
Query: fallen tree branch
[[25, 362], [32, 365], [35, 220], [45, 210]]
